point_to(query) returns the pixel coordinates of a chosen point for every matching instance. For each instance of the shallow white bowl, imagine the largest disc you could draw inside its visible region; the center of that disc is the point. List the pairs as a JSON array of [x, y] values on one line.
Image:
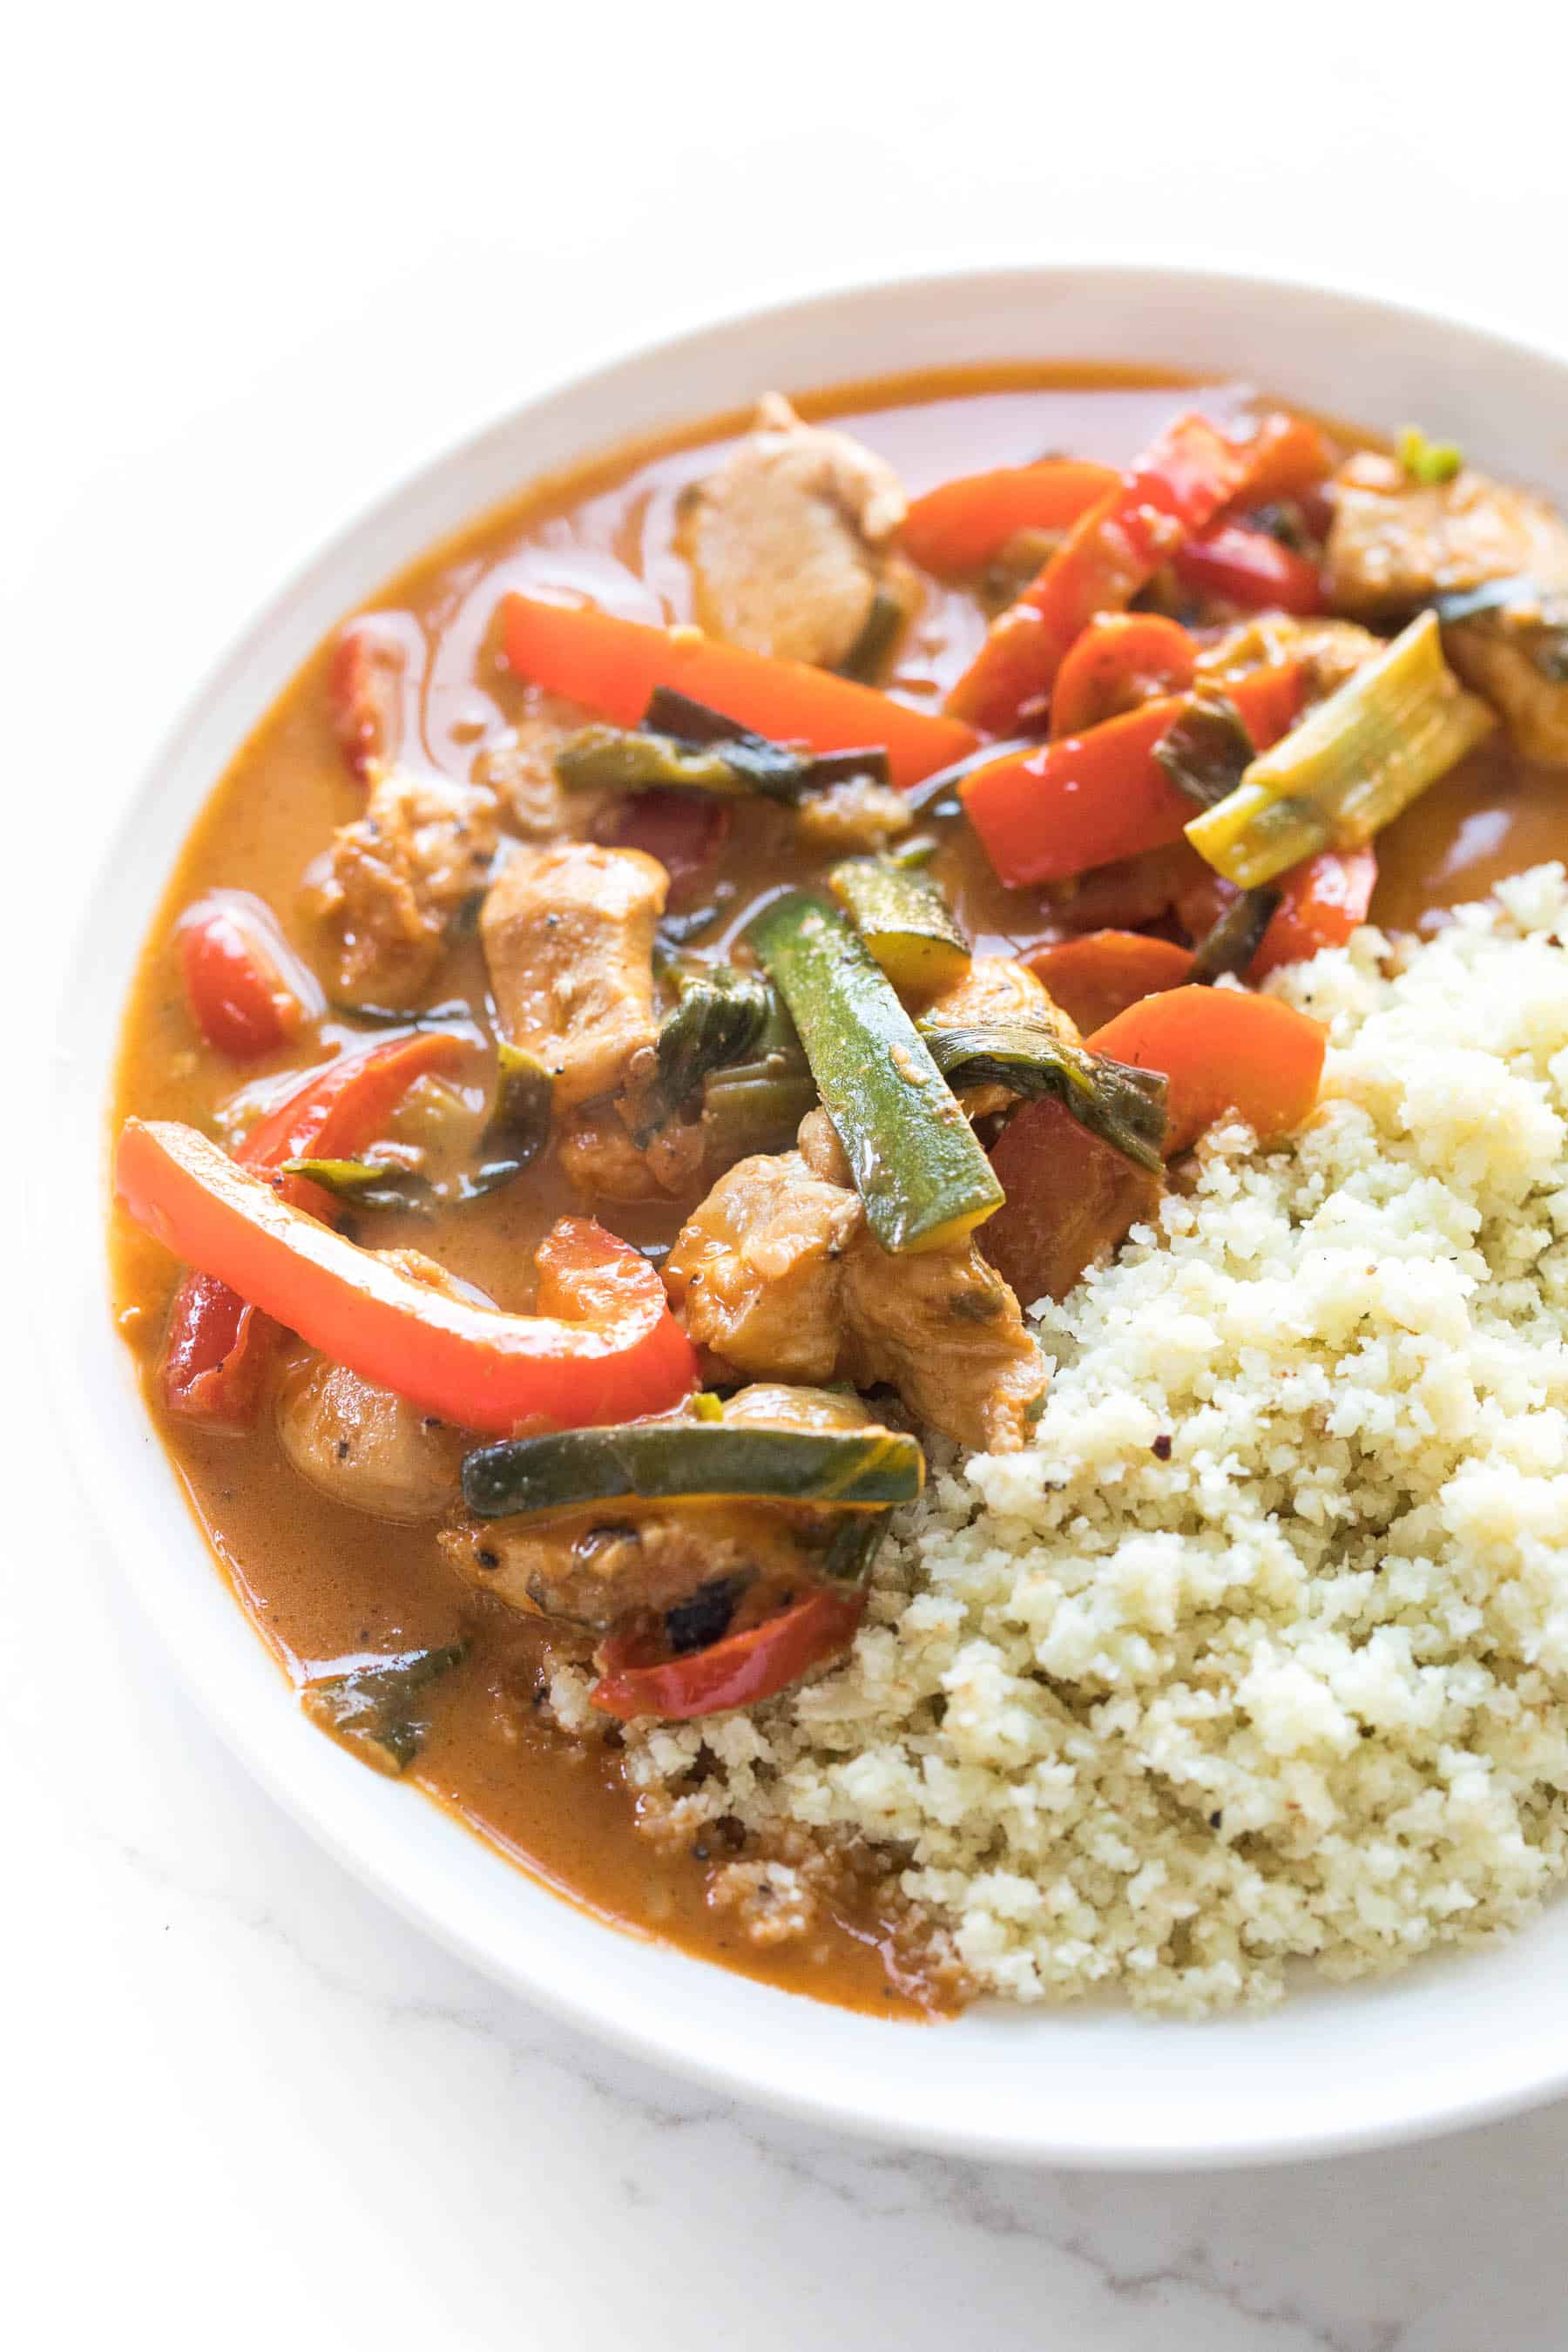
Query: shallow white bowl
[[1449, 2043]]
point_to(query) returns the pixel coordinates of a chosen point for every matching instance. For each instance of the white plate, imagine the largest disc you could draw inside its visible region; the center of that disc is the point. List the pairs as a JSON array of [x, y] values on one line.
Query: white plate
[[1448, 2044]]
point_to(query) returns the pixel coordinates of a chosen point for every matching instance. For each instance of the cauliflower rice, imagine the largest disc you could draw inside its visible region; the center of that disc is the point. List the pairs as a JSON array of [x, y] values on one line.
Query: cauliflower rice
[[1261, 1649]]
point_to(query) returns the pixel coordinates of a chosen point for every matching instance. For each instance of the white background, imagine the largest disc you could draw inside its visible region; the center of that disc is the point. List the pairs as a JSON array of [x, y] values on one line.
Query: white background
[[255, 264]]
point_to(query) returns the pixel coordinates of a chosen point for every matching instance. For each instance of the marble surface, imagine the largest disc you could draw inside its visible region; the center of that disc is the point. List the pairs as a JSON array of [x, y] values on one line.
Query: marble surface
[[244, 2102]]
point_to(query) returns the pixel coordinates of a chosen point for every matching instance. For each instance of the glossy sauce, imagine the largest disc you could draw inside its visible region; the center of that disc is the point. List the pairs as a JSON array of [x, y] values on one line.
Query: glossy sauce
[[324, 1584]]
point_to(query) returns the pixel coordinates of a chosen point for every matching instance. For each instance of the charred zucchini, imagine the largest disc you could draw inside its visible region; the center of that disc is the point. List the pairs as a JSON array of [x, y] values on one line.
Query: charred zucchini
[[694, 1461], [682, 746], [376, 1711], [905, 921], [917, 1166]]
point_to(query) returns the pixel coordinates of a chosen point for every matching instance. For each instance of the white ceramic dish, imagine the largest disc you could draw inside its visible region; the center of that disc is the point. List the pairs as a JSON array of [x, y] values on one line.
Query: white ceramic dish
[[1445, 2044]]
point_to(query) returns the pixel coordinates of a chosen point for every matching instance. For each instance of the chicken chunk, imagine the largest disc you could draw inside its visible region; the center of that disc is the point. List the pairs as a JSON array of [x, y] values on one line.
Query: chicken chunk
[[396, 875], [943, 1329], [1329, 651], [1396, 544], [600, 1158], [788, 538], [364, 1447], [520, 770], [689, 1562], [996, 991], [777, 1275], [568, 937], [755, 1269]]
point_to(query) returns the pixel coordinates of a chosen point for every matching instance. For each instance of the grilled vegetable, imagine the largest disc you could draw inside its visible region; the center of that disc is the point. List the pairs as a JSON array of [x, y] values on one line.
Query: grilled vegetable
[[904, 919], [1321, 903], [1098, 975], [923, 1178], [1121, 660], [1236, 939], [1221, 1049], [1353, 763], [375, 1711], [754, 1106], [689, 722], [515, 1133], [696, 1461], [614, 665], [1206, 750], [1125, 1107], [869, 655], [640, 1676], [719, 1019], [1534, 618]]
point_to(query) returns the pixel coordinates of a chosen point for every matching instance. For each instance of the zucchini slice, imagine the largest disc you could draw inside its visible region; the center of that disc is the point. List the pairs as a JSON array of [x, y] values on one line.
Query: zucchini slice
[[1124, 1107], [696, 1460], [906, 922], [917, 1166]]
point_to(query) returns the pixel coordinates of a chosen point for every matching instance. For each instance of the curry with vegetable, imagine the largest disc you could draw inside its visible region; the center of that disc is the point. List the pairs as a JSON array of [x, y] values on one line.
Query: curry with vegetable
[[670, 986]]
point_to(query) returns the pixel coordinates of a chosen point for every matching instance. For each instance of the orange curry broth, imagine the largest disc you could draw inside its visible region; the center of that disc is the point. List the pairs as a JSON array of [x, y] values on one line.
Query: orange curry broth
[[322, 1582]]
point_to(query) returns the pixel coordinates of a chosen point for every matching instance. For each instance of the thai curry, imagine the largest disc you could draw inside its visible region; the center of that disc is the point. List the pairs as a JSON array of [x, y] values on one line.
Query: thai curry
[[669, 986]]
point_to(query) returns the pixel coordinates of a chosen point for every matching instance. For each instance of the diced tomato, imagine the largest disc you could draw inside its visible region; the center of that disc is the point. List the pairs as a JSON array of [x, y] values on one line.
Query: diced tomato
[[374, 668]]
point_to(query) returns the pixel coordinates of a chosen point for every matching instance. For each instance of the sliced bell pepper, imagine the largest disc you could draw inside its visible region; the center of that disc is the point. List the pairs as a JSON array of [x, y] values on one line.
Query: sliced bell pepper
[[639, 1676], [1121, 660], [963, 525], [1324, 898], [1173, 490], [248, 992], [622, 1353], [368, 685], [1047, 814], [1098, 976], [1221, 1050], [1291, 456], [218, 1346], [613, 666], [1248, 569]]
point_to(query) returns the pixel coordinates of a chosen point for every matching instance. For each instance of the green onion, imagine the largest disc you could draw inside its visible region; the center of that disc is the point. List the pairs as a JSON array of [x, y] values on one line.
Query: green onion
[[1351, 766], [1430, 463], [869, 655], [720, 1017], [1124, 1107]]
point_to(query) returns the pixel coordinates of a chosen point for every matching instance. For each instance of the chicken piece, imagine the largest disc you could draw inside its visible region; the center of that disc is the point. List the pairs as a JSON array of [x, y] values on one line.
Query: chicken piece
[[690, 1562], [1396, 544], [778, 1276], [1071, 1199], [754, 1270], [364, 1447], [787, 538], [1329, 651], [520, 770], [995, 990], [818, 1145], [568, 937], [395, 877], [856, 814], [945, 1329], [599, 1158]]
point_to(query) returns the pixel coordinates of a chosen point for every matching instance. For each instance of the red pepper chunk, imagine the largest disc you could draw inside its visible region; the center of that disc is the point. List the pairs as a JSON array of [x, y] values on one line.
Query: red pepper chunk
[[639, 1676], [963, 525], [1188, 474], [1322, 901], [1049, 815], [248, 991], [219, 1347], [1121, 660], [622, 1354], [1250, 571]]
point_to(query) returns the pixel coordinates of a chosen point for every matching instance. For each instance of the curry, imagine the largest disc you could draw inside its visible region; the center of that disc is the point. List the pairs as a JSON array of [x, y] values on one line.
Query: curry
[[665, 988]]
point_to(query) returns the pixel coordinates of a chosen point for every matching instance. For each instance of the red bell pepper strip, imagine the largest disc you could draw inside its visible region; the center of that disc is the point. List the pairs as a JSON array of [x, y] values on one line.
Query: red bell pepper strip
[[1324, 898], [1121, 660], [623, 1355], [248, 991], [1098, 976], [218, 1346], [1176, 490], [613, 666], [372, 677], [1291, 456], [639, 1677], [1045, 815], [1221, 1050], [963, 525], [1249, 570]]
